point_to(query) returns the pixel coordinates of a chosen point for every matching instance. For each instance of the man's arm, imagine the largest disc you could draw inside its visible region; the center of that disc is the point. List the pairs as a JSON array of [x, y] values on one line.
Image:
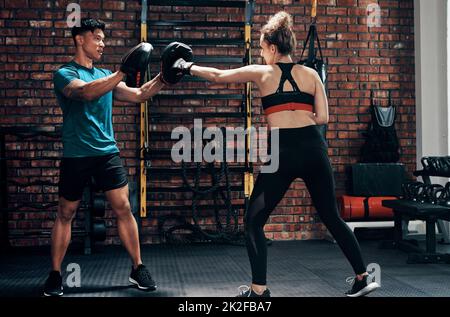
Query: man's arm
[[137, 95], [81, 90]]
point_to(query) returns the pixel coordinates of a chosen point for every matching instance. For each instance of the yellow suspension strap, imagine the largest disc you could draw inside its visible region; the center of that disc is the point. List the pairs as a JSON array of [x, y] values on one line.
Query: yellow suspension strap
[[248, 176], [143, 127], [314, 11]]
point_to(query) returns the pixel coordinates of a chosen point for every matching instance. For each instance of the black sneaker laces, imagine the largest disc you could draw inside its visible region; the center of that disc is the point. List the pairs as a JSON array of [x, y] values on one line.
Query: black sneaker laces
[[144, 273]]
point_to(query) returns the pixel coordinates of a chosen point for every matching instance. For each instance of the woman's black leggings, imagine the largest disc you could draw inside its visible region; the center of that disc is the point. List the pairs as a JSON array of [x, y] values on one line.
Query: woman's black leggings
[[302, 154]]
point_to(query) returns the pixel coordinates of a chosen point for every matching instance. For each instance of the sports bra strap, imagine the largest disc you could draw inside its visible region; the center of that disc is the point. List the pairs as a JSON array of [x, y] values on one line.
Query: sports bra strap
[[286, 69]]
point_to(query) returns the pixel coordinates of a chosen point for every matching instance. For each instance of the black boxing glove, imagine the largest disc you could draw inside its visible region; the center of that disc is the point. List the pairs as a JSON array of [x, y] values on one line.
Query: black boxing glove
[[178, 54], [182, 67]]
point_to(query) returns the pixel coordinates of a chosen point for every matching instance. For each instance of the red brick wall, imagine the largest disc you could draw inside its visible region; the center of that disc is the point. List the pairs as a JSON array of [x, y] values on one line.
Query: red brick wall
[[35, 41]]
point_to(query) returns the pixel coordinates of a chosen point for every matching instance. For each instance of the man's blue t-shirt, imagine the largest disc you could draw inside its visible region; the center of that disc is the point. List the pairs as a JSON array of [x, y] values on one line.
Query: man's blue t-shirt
[[87, 126]]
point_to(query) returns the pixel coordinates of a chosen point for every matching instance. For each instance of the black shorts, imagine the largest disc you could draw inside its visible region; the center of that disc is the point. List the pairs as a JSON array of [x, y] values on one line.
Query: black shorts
[[107, 171]]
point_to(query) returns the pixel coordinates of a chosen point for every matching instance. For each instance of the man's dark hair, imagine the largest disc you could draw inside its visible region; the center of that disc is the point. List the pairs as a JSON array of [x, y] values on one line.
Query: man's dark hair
[[86, 25]]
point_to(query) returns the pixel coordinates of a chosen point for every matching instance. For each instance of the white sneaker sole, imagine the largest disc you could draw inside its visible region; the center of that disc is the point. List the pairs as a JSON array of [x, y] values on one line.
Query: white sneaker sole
[[366, 290], [56, 295], [132, 281]]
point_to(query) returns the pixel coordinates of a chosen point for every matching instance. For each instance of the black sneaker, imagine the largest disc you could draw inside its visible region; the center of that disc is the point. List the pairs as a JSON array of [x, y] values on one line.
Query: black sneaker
[[142, 278], [246, 291], [53, 284], [361, 288]]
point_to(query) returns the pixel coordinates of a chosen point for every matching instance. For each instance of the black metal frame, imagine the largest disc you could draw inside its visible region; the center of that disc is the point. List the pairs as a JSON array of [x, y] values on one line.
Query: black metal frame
[[416, 254], [208, 59], [200, 42], [199, 3], [177, 117], [198, 96], [402, 212], [207, 24]]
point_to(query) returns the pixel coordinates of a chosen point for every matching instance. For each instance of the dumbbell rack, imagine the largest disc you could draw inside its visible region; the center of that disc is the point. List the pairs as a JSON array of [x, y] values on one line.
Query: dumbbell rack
[[427, 180], [158, 173], [94, 229]]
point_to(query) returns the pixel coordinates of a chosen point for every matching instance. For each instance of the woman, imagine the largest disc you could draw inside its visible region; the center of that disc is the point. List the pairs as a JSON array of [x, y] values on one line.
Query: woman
[[294, 102]]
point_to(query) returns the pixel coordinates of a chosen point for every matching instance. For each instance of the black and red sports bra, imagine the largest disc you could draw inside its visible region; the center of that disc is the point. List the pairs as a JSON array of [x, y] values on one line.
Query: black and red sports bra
[[287, 100]]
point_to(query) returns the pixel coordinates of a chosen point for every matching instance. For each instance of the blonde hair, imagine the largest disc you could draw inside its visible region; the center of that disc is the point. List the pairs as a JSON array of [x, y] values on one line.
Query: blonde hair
[[279, 31]]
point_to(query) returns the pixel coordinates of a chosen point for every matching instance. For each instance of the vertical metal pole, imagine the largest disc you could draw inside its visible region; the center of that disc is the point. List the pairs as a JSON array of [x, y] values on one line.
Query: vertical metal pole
[[143, 128], [248, 176], [314, 10], [88, 239], [431, 235]]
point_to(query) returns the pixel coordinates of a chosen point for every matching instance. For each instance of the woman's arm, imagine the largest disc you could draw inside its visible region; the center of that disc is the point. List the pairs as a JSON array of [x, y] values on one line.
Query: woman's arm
[[320, 101], [250, 73]]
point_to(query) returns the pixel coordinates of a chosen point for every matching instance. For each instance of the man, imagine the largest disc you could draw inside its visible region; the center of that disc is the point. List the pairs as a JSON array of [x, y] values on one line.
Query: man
[[85, 94]]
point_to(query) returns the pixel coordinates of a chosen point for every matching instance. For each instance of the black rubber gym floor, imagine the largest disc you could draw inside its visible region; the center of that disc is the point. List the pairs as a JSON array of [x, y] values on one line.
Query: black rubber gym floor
[[296, 268]]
